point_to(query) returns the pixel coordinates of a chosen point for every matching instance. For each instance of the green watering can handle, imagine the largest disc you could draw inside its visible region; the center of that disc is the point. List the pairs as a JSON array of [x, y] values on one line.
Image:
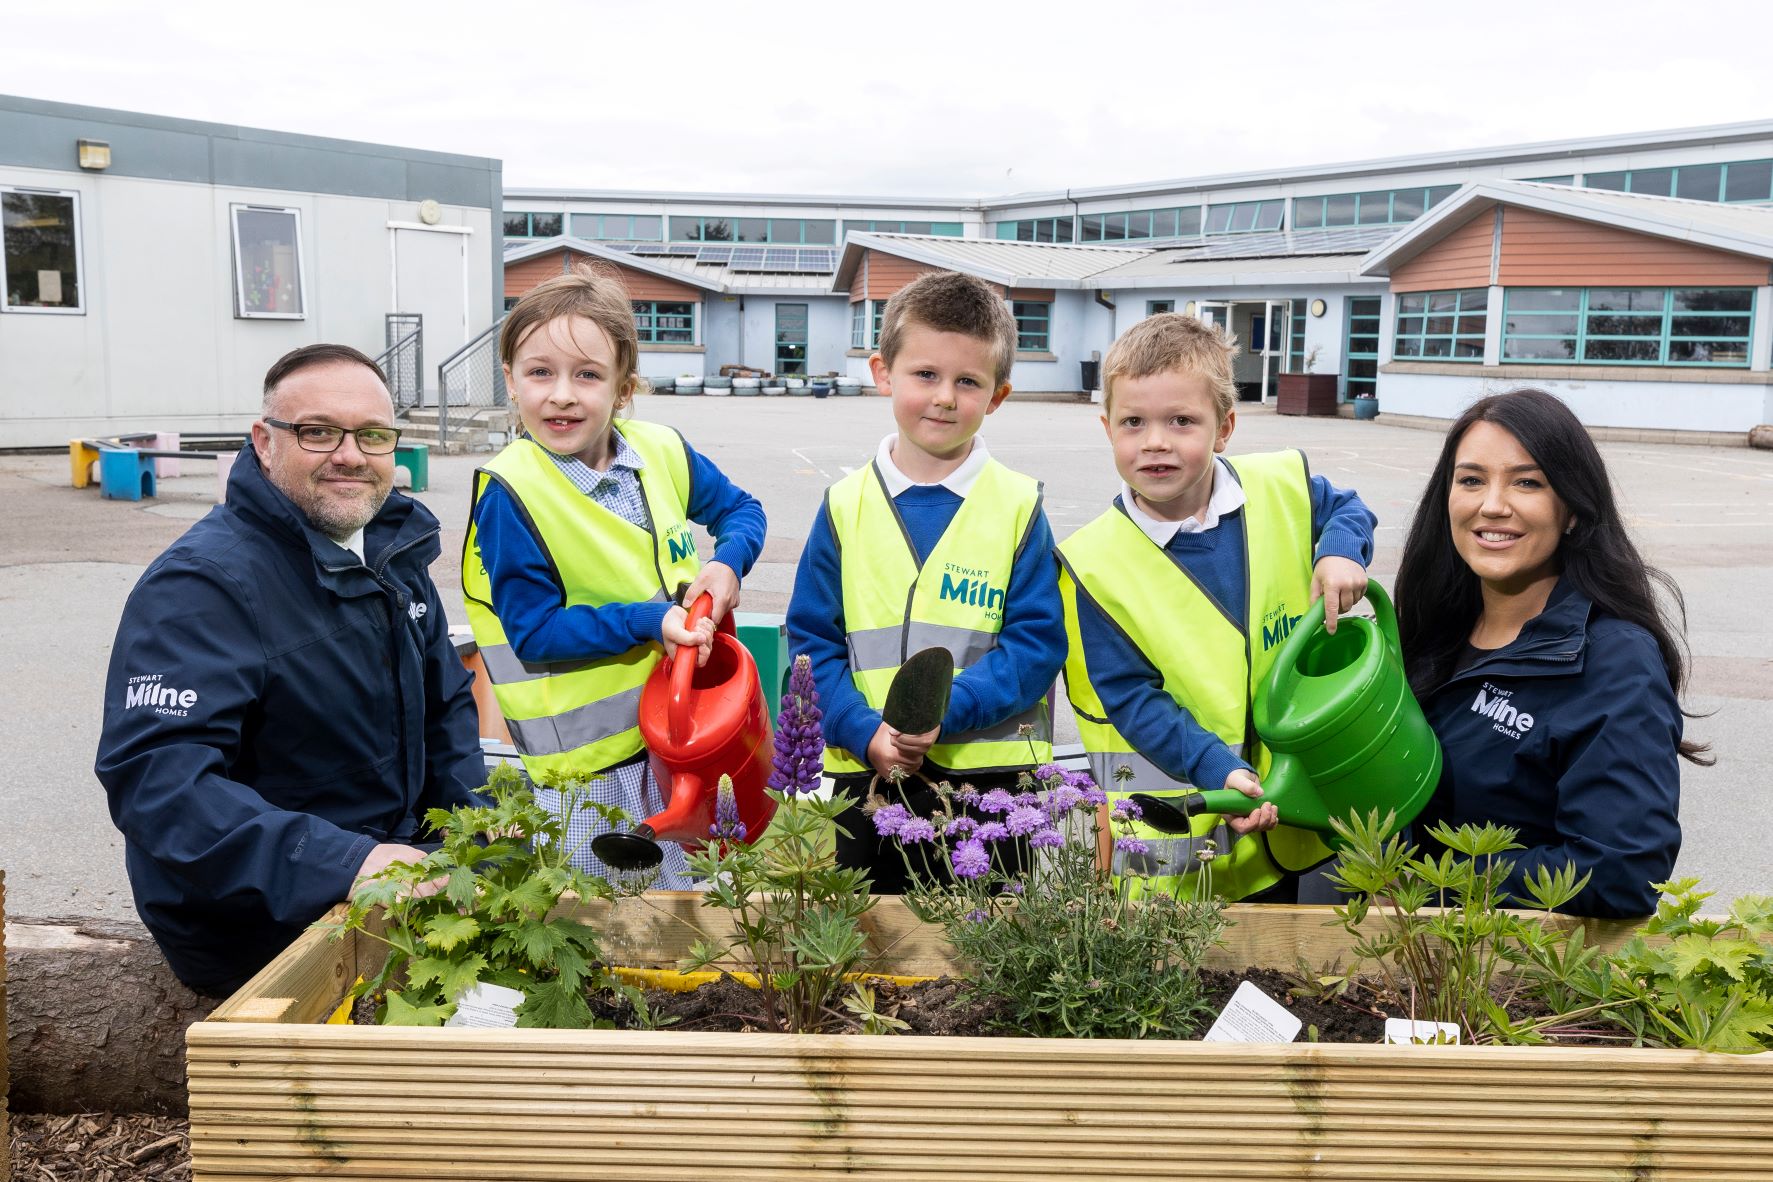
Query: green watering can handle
[[1287, 659]]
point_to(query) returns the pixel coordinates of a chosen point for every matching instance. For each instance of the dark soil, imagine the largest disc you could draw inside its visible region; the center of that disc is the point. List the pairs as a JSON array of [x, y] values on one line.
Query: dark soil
[[99, 1147]]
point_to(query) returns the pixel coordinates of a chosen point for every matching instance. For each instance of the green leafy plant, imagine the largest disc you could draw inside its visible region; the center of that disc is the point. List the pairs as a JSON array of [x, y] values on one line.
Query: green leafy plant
[[1058, 942], [480, 908], [1448, 945], [795, 911]]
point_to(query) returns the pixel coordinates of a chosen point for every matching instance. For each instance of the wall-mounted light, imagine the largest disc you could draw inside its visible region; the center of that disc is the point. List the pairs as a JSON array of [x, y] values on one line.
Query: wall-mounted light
[[94, 154], [1318, 307]]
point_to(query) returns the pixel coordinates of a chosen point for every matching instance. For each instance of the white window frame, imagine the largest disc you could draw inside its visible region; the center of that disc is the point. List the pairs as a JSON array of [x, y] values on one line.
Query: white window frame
[[235, 209], [79, 257]]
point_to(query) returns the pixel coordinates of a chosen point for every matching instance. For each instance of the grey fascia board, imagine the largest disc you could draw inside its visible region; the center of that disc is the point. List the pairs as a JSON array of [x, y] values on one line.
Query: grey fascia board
[[1233, 278], [668, 196]]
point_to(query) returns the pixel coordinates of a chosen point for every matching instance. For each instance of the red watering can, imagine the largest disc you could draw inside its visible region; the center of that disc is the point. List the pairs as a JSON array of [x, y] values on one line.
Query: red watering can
[[699, 724]]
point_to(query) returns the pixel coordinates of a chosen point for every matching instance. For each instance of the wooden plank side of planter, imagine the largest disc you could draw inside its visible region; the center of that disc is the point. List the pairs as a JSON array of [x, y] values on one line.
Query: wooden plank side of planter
[[388, 1103]]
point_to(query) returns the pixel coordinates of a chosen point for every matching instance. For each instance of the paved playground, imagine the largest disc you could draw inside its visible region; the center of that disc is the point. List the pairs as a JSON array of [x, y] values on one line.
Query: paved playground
[[69, 560]]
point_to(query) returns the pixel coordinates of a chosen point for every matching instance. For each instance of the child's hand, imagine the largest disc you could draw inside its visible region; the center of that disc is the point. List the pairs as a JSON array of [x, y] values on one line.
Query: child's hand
[[1264, 818], [883, 756], [672, 633], [1340, 582], [720, 581], [912, 748]]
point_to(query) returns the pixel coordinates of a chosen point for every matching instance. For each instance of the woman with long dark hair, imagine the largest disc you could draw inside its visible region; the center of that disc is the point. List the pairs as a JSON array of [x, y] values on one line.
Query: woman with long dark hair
[[1548, 668]]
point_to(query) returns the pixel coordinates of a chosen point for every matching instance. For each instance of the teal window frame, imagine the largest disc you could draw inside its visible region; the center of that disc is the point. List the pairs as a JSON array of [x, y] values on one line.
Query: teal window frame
[[1058, 229], [1378, 207], [908, 226], [651, 319], [1296, 336], [529, 218], [790, 347], [877, 309], [858, 324], [614, 227], [1424, 321], [1034, 325], [1259, 217], [786, 231], [1360, 346], [1159, 307], [1135, 225], [1665, 317], [1754, 181]]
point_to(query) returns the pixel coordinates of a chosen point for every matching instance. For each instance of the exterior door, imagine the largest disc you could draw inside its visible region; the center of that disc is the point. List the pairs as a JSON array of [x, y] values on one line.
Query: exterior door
[[791, 329], [431, 278], [1360, 354], [1217, 314]]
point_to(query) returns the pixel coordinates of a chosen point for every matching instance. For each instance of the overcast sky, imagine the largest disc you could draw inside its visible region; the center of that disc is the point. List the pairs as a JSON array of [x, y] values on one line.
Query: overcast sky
[[907, 97]]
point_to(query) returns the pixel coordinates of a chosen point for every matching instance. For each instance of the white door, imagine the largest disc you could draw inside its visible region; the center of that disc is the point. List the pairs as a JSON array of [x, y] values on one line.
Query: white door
[[431, 278]]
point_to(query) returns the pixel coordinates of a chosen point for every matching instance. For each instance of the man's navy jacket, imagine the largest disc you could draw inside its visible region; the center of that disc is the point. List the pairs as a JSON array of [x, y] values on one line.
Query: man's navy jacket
[[274, 709], [1569, 734]]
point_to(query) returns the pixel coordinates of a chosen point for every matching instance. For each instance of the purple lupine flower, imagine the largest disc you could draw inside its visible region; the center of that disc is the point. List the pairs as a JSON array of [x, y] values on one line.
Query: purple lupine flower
[[1049, 772], [1024, 819], [800, 744], [888, 818], [998, 800], [1126, 810], [970, 859], [1132, 845], [991, 831], [727, 826], [1046, 839], [961, 826], [914, 830]]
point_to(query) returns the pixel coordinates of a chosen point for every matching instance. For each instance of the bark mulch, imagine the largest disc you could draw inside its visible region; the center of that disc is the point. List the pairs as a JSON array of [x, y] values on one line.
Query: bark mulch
[[100, 1147]]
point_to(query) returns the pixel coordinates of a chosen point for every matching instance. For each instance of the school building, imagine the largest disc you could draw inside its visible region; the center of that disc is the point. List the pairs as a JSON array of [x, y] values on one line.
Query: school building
[[1630, 274], [152, 269]]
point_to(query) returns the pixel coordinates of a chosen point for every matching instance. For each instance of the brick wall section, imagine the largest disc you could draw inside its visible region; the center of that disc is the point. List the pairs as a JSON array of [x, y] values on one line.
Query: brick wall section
[[1461, 259], [642, 285], [1541, 250], [888, 273]]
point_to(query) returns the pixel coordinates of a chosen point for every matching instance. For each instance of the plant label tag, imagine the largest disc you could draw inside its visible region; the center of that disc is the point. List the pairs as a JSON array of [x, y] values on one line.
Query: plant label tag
[[1403, 1030], [1253, 1016], [482, 1004]]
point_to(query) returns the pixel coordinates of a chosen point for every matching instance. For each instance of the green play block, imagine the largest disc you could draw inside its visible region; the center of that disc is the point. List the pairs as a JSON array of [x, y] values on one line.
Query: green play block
[[416, 459], [765, 637]]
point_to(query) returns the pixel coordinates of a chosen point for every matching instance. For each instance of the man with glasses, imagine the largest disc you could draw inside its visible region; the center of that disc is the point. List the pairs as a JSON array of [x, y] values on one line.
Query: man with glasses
[[284, 703]]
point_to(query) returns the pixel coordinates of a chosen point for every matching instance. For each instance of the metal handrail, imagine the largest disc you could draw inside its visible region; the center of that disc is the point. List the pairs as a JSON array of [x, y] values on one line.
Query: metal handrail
[[457, 360], [403, 333]]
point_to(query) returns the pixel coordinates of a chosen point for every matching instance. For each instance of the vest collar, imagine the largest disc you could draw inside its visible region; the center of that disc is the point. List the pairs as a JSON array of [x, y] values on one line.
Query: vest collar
[[1227, 497], [959, 482]]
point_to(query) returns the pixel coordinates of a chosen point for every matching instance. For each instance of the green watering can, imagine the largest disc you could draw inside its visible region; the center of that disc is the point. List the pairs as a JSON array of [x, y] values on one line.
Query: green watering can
[[1346, 734]]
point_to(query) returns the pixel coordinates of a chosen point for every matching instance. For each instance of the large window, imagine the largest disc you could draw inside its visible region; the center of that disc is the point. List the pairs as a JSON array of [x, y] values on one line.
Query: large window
[[791, 338], [1140, 223], [892, 226], [1628, 325], [811, 231], [1033, 325], [865, 323], [1296, 337], [40, 261], [1441, 325], [267, 263], [617, 227], [533, 225], [1738, 180], [1036, 230], [661, 322], [1381, 207], [1242, 217], [1360, 348]]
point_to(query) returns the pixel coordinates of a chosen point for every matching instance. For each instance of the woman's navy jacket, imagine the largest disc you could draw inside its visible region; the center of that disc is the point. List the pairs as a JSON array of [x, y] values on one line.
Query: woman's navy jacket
[[1570, 735], [274, 709]]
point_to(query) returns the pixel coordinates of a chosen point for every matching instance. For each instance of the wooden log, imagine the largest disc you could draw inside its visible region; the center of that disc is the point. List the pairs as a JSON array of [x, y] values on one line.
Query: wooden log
[[96, 1021]]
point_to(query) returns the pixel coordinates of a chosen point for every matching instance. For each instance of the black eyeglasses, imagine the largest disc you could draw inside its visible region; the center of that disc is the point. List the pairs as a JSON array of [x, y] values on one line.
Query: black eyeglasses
[[322, 437]]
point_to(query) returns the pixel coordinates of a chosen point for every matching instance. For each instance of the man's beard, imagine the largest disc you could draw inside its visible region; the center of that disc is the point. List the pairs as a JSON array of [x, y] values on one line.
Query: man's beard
[[338, 518]]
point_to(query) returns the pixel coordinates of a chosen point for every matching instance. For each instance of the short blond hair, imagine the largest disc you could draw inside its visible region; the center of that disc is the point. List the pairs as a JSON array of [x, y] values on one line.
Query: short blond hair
[[948, 301], [590, 290], [1173, 343]]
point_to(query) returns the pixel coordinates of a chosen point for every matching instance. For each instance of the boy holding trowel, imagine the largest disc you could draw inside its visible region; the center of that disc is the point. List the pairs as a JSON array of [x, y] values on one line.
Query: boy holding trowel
[[933, 544]]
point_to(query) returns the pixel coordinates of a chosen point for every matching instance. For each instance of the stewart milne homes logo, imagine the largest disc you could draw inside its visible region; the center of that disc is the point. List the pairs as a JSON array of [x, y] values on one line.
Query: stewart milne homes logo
[[1277, 625], [680, 543], [965, 584]]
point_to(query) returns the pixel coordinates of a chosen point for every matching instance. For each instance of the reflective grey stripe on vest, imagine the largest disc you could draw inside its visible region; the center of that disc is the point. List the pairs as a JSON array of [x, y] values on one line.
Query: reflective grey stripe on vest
[[1146, 777], [887, 648], [505, 667], [576, 728], [1166, 856], [1010, 729]]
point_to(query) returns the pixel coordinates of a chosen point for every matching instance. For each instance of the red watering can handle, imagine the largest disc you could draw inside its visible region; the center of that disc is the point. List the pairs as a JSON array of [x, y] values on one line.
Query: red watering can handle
[[683, 671]]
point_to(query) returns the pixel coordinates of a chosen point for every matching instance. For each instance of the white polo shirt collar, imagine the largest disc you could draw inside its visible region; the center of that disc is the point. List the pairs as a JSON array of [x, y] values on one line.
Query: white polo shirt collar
[[959, 482], [1227, 497]]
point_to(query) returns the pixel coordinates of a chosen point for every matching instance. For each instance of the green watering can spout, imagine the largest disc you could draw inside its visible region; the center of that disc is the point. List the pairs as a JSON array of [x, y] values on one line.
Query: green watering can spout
[[1344, 733]]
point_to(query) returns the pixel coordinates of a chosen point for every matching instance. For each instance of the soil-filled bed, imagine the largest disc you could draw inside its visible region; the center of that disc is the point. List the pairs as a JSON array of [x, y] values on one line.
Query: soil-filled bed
[[288, 1097]]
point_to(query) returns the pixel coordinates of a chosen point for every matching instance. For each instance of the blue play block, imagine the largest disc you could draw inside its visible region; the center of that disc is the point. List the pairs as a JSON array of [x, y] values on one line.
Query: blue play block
[[125, 474]]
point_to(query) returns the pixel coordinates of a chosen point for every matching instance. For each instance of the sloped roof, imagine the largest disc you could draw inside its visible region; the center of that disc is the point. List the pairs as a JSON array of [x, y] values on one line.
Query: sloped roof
[[1738, 229], [540, 246], [1169, 268], [1012, 264]]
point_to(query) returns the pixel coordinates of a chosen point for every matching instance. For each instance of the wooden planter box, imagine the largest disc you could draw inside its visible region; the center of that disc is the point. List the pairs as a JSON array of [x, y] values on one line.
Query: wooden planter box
[[274, 1094], [1306, 394]]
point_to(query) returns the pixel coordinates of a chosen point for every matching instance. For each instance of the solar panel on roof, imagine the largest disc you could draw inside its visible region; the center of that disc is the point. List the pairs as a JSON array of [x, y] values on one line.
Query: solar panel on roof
[[684, 248], [718, 255], [784, 260]]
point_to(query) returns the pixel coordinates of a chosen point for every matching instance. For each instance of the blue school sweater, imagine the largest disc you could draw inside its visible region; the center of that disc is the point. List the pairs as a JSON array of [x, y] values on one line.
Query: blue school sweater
[[527, 599], [1132, 688], [1008, 680]]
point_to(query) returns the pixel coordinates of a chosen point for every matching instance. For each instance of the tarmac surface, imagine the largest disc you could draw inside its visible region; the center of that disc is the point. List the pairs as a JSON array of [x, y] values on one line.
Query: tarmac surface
[[70, 558]]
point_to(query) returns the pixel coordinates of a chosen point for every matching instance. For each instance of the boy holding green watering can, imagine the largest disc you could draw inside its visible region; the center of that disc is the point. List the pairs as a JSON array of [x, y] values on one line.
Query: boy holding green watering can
[[1179, 596]]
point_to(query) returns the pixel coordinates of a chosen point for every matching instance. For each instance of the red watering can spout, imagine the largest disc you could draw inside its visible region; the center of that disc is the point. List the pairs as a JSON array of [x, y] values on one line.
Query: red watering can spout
[[699, 723]]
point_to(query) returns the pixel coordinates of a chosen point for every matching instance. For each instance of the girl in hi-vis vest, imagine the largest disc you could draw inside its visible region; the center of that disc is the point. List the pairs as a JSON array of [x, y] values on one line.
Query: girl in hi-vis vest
[[579, 553]]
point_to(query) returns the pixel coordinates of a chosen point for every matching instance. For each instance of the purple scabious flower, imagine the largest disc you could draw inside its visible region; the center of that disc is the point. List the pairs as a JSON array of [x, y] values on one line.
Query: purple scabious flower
[[1049, 771], [1025, 819], [1026, 798], [914, 830], [976, 915], [970, 859], [1064, 799], [1132, 845], [1015, 888], [991, 831], [961, 826], [967, 794], [1094, 795], [998, 800], [1126, 810], [800, 744], [727, 826], [888, 819], [1046, 839]]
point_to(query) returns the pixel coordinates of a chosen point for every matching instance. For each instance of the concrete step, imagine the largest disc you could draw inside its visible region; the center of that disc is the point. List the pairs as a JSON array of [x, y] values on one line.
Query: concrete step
[[485, 431]]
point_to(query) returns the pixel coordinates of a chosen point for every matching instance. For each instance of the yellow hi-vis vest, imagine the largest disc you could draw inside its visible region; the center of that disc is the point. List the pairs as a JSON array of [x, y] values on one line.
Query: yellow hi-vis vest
[[1211, 663], [956, 599], [576, 718]]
